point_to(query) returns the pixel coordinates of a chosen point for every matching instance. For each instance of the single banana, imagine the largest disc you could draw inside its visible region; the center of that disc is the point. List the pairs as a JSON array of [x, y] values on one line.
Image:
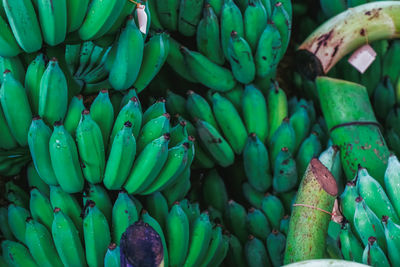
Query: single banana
[[277, 109], [175, 104], [189, 16], [256, 163], [253, 196], [33, 77], [53, 20], [128, 58], [38, 140], [178, 133], [99, 195], [155, 54], [392, 239], [15, 65], [74, 113], [391, 179], [15, 254], [15, 105], [214, 190], [254, 20], [16, 220], [40, 244], [199, 108], [24, 24], [91, 148], [235, 256], [285, 172], [241, 59], [64, 159], [152, 130], [273, 208], [113, 256], [76, 12], [67, 241], [349, 245], [257, 224], [5, 228], [208, 36], [41, 209], [97, 235], [156, 205], [120, 159], [53, 94], [215, 248], [231, 20], [255, 252], [301, 124], [7, 141], [128, 9], [168, 13], [34, 180], [235, 219], [124, 213], [155, 20], [384, 98], [144, 171], [284, 136], [176, 60], [102, 112], [177, 235], [276, 243], [207, 72], [310, 148], [154, 111], [282, 20], [373, 255], [8, 44]]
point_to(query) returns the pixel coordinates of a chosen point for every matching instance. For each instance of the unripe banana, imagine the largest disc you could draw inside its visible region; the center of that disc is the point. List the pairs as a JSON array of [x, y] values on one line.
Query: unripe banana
[[4, 226], [384, 98], [53, 94], [177, 62], [276, 242], [66, 239], [91, 148], [284, 136], [252, 196], [230, 122], [102, 112], [392, 179], [255, 252], [15, 105], [235, 256], [255, 21], [350, 246], [144, 171], [15, 254], [178, 190], [241, 59], [8, 44], [231, 20], [235, 219], [120, 159], [76, 11], [7, 141], [97, 194], [124, 213], [331, 159], [214, 191], [16, 220], [175, 104], [15, 65], [207, 72], [34, 180], [189, 16], [40, 244], [208, 36], [277, 109], [216, 247], [285, 172], [177, 235], [64, 159], [24, 24], [128, 58], [257, 224], [284, 225], [199, 108], [373, 255], [97, 235], [310, 148], [33, 77], [301, 123], [347, 200], [273, 209], [332, 8], [282, 19], [152, 130], [178, 133], [113, 256], [74, 113], [389, 66], [40, 208], [53, 20], [127, 10]]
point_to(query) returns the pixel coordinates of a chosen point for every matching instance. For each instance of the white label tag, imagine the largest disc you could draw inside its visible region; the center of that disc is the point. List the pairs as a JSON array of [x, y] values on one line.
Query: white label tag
[[362, 58], [142, 18]]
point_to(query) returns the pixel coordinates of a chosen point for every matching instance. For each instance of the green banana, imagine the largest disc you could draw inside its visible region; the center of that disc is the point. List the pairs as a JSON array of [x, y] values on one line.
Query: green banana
[[208, 36], [15, 254], [15, 65], [235, 256], [235, 219], [301, 124], [38, 140], [128, 58], [124, 213], [257, 224], [235, 96], [40, 244], [241, 59], [282, 20], [97, 194], [199, 108], [273, 210], [16, 109], [391, 180], [33, 77], [127, 10], [277, 109], [189, 16], [332, 8], [155, 54], [64, 159], [97, 235], [157, 206], [168, 12], [53, 21], [207, 72], [144, 171], [120, 159], [5, 228], [10, 186], [310, 148], [255, 252], [112, 258], [34, 180], [255, 112], [256, 163], [215, 144], [200, 238], [350, 246], [76, 12], [284, 225], [253, 196], [177, 235], [66, 240], [102, 112], [373, 254], [41, 209], [72, 54], [100, 17], [347, 200], [367, 224], [53, 93], [152, 130], [74, 113], [24, 24], [8, 44], [285, 172], [218, 249], [255, 21], [178, 190], [178, 133], [231, 20], [175, 104], [154, 111], [155, 20], [216, 5], [389, 66], [214, 191], [276, 242], [331, 159], [384, 98], [284, 136], [91, 148], [176, 60], [7, 141], [392, 239], [16, 220]]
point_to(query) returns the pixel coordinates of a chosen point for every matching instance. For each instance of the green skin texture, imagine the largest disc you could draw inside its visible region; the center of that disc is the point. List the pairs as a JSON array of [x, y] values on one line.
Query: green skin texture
[[112, 258], [189, 16], [198, 107], [16, 67], [99, 195], [283, 137], [257, 224], [255, 20], [8, 44], [15, 105], [168, 13], [7, 140], [392, 179], [235, 256], [102, 112], [177, 233], [157, 206], [124, 213], [154, 111], [241, 59], [273, 210], [33, 76], [178, 134], [15, 254], [179, 189], [41, 209], [277, 109], [350, 246], [53, 21], [235, 219], [16, 220], [256, 254], [392, 234], [285, 172], [374, 256], [214, 190], [34, 180], [4, 226], [310, 148], [176, 60], [73, 115], [301, 123], [276, 243], [359, 144], [152, 130], [231, 20], [76, 12], [253, 196]]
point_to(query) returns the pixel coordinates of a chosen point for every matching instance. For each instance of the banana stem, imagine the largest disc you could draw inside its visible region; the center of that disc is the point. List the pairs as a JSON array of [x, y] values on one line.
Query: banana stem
[[344, 33], [310, 218]]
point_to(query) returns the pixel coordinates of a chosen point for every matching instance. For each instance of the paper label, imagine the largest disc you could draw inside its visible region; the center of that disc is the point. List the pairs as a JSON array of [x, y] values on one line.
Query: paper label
[[362, 58], [142, 18]]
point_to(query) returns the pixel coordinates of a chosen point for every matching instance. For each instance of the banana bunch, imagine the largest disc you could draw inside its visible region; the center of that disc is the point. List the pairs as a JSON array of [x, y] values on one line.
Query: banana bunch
[[139, 151], [27, 25], [369, 232], [251, 35]]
